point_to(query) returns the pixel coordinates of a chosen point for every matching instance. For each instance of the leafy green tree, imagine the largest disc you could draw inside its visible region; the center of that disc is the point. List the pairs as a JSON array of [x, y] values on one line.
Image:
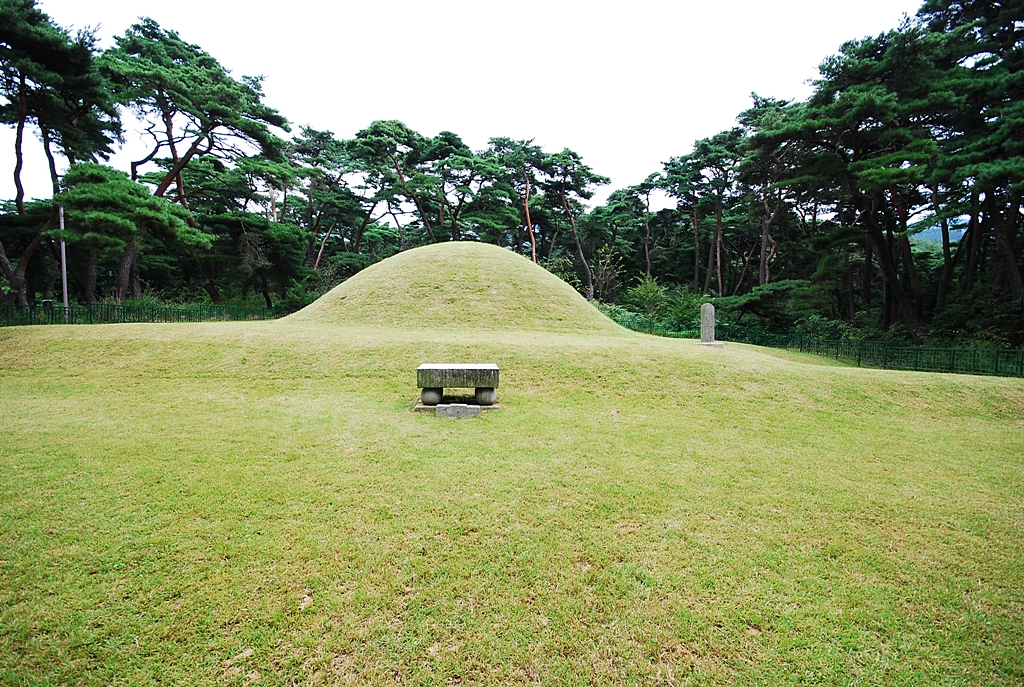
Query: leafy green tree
[[20, 235], [771, 153], [257, 253], [520, 163], [682, 179], [387, 152], [718, 159], [985, 148], [32, 52], [455, 177], [189, 101], [106, 206], [606, 268], [649, 296], [632, 205], [682, 309], [571, 182], [195, 111], [256, 247], [341, 199], [48, 79], [867, 150]]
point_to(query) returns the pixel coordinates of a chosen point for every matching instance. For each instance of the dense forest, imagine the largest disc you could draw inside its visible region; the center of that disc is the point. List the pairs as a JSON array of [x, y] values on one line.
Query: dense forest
[[886, 205]]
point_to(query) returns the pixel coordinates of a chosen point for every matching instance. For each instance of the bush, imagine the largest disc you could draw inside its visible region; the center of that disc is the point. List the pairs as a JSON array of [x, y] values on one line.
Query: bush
[[620, 315], [819, 327], [563, 267], [649, 297], [683, 309]]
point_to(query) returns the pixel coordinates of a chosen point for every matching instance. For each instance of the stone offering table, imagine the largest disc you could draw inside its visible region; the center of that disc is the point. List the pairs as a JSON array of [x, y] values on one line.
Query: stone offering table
[[434, 378]]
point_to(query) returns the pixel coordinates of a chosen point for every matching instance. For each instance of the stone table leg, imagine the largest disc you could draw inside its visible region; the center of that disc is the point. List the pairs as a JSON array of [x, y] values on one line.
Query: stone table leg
[[431, 396], [485, 396]]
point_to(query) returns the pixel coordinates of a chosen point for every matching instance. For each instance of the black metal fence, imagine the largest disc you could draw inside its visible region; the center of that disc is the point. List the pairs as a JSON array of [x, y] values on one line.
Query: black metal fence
[[110, 313], [1003, 362]]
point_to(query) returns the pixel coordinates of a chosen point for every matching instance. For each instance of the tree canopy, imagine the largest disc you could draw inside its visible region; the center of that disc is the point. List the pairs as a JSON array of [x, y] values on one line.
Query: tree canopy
[[887, 204]]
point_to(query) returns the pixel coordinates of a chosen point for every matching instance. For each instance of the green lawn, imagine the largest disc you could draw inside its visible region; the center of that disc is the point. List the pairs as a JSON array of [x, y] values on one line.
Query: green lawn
[[242, 503]]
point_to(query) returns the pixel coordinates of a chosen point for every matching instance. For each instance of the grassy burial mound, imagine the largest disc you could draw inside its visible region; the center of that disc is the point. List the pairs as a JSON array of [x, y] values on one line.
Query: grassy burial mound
[[255, 503], [457, 285]]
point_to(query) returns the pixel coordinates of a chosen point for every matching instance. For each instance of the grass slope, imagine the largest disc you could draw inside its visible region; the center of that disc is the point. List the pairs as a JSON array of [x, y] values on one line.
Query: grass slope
[[254, 503], [457, 285]]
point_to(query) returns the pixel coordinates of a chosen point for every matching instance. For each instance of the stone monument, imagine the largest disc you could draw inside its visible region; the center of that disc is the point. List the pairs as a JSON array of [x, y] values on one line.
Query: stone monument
[[707, 326], [433, 378]]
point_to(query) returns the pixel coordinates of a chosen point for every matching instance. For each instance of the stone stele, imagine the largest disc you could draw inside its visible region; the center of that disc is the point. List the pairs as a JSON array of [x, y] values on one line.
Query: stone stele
[[707, 326]]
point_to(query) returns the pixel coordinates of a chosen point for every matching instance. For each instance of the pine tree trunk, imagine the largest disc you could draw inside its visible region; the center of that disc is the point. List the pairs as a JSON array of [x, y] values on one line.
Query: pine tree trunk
[[266, 295], [579, 249], [415, 200], [16, 280], [696, 252], [551, 246], [849, 282], [647, 233], [718, 243], [90, 275], [19, 137], [206, 274], [124, 271], [174, 173], [907, 253], [915, 280], [711, 267], [974, 249], [1006, 233], [891, 275], [51, 163], [136, 282], [762, 268], [529, 224], [947, 257], [886, 305], [763, 275], [866, 276]]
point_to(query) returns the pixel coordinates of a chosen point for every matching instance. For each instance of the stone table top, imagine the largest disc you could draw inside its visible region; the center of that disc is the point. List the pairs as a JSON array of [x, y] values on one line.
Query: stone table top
[[457, 366], [457, 375]]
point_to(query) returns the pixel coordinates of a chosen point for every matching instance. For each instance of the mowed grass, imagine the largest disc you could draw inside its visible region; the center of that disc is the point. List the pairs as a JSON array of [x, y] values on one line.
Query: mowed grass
[[199, 504], [256, 503]]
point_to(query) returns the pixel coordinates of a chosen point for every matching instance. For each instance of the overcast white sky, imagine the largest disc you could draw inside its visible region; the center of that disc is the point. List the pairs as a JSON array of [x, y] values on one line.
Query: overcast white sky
[[627, 85]]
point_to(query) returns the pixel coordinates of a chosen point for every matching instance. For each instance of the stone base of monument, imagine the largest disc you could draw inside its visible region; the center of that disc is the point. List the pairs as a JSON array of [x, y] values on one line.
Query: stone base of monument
[[456, 410], [711, 343], [420, 407]]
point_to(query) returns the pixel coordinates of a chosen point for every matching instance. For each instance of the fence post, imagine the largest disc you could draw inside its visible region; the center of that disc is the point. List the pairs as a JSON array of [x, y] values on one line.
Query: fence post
[[1020, 363], [995, 369], [860, 351]]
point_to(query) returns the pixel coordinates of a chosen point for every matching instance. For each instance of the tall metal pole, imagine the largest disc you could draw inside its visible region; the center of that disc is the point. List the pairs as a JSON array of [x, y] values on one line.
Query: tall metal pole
[[63, 266]]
